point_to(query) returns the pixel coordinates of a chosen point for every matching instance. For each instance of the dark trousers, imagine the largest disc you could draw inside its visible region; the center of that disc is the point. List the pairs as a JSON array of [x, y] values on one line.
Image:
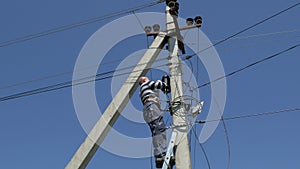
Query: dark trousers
[[154, 118]]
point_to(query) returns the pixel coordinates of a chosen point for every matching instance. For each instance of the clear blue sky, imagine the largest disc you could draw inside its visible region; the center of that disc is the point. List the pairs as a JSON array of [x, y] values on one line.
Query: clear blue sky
[[42, 131]]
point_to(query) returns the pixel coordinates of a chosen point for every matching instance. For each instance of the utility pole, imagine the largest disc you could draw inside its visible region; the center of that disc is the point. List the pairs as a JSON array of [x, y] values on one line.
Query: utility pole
[[182, 154], [173, 38]]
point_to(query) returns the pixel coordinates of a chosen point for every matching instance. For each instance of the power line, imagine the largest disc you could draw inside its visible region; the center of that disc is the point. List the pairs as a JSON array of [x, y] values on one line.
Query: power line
[[64, 73], [117, 60], [202, 149], [77, 24], [232, 73], [227, 141], [67, 27], [266, 34], [245, 116], [250, 65], [71, 26], [219, 111], [252, 115], [256, 36], [69, 83], [246, 29], [72, 83]]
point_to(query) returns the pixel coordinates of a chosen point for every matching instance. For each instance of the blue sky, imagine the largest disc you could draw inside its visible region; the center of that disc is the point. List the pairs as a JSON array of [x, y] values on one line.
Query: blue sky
[[42, 131]]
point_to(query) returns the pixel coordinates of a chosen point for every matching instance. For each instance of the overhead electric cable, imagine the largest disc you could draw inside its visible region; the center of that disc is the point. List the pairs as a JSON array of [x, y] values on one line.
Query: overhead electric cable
[[246, 29], [250, 65], [77, 24], [264, 34], [227, 141], [202, 148], [252, 115], [64, 73], [70, 84], [131, 10], [225, 129]]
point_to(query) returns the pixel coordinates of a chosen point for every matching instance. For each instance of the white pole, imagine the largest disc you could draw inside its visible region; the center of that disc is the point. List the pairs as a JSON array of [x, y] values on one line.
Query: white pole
[[182, 155]]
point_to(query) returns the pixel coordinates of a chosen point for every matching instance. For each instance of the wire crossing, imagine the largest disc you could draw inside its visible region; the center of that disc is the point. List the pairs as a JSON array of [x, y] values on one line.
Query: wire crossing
[[75, 25]]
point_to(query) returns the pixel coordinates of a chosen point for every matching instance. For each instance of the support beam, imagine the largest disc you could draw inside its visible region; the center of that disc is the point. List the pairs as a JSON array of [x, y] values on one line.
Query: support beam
[[95, 138], [181, 29], [182, 155]]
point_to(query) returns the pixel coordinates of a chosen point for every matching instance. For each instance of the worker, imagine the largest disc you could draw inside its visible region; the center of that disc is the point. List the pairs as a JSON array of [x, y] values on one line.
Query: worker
[[149, 94]]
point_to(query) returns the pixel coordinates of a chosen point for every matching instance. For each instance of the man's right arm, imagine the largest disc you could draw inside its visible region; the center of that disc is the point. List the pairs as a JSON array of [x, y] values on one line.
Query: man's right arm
[[159, 85]]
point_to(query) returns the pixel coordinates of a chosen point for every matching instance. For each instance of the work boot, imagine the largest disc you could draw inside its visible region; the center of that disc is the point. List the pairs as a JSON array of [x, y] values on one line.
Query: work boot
[[172, 161], [159, 161]]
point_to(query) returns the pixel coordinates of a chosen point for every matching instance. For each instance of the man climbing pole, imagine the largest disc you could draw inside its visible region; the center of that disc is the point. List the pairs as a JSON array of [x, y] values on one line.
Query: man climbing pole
[[149, 94]]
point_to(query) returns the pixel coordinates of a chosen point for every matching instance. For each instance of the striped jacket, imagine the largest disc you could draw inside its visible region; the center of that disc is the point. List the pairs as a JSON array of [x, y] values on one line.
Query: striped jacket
[[149, 89]]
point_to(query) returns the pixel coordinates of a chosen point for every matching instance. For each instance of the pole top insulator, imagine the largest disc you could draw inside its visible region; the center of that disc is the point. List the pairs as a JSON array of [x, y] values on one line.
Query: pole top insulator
[[174, 7], [156, 28], [198, 20], [189, 21], [168, 1], [147, 29]]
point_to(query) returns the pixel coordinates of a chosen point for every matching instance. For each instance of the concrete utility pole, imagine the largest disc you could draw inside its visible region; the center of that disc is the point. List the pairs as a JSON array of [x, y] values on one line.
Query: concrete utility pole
[[182, 155], [95, 138]]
